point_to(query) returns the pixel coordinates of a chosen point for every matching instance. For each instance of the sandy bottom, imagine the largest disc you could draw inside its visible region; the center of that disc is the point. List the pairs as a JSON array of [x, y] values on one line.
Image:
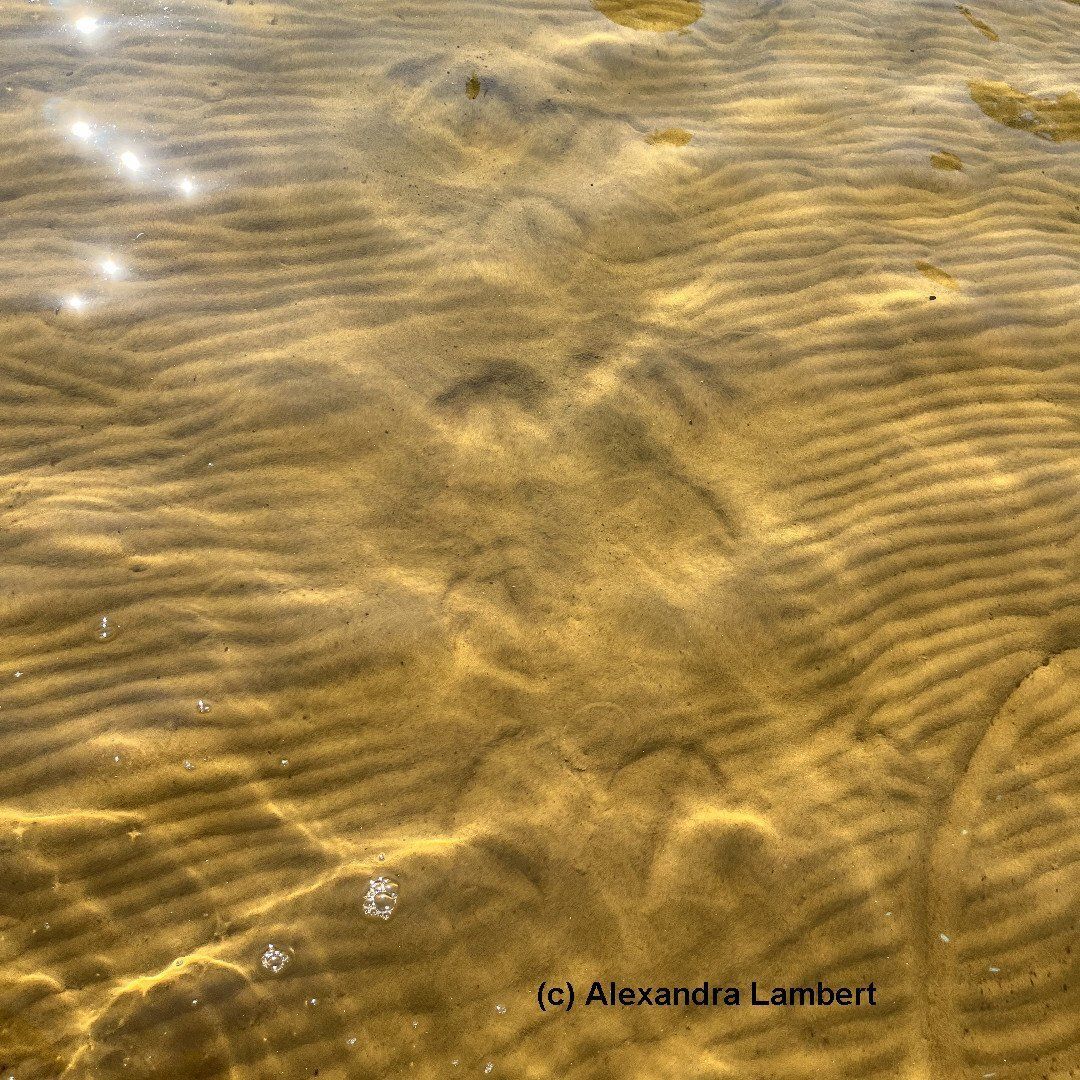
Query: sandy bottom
[[608, 469]]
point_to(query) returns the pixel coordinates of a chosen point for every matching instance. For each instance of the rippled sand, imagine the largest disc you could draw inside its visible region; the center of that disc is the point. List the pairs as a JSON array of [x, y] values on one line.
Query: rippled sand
[[609, 469]]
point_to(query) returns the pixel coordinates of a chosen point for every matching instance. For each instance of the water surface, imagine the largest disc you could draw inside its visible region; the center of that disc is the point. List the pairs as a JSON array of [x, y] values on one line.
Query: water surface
[[511, 491]]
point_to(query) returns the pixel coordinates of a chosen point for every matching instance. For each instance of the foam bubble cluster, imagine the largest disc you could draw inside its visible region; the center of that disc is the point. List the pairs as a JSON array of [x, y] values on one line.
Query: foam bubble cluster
[[274, 959], [381, 898]]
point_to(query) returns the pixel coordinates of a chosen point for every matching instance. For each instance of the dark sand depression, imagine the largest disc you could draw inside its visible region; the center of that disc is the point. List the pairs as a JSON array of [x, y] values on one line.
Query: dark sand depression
[[608, 469]]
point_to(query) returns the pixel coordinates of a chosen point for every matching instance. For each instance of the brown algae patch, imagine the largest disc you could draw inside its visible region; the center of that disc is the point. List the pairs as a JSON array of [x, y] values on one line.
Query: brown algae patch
[[1056, 119], [944, 160], [979, 25], [937, 275], [656, 15], [472, 86], [670, 137]]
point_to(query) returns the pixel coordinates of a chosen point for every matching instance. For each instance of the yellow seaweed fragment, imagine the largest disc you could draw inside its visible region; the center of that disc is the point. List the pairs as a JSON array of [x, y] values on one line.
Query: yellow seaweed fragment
[[936, 275], [670, 137], [944, 160], [979, 25], [1056, 119], [655, 15], [472, 86]]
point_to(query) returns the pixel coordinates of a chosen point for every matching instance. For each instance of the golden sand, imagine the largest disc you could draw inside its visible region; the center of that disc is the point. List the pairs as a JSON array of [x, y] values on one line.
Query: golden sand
[[461, 534]]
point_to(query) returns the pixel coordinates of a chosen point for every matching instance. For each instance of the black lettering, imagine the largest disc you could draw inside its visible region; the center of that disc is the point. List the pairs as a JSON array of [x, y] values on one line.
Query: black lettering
[[596, 993]]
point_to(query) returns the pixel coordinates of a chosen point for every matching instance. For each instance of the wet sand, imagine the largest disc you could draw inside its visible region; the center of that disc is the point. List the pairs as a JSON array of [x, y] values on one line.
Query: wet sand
[[609, 469]]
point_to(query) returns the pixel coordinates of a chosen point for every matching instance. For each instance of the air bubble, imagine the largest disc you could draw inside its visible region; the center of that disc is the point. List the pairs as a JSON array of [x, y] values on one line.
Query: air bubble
[[381, 898], [106, 630], [274, 959]]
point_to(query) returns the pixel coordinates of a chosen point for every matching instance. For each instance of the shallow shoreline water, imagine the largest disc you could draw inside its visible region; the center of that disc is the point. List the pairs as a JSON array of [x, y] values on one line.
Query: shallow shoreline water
[[505, 493]]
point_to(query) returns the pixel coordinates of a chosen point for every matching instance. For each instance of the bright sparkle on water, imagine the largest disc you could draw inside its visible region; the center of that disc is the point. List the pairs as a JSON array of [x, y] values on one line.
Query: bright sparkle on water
[[130, 161], [186, 186], [110, 268], [202, 706], [87, 25], [81, 130], [381, 898], [76, 303]]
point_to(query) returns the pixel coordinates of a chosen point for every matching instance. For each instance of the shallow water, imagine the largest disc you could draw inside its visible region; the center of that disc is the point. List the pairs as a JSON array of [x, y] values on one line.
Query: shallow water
[[513, 492]]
